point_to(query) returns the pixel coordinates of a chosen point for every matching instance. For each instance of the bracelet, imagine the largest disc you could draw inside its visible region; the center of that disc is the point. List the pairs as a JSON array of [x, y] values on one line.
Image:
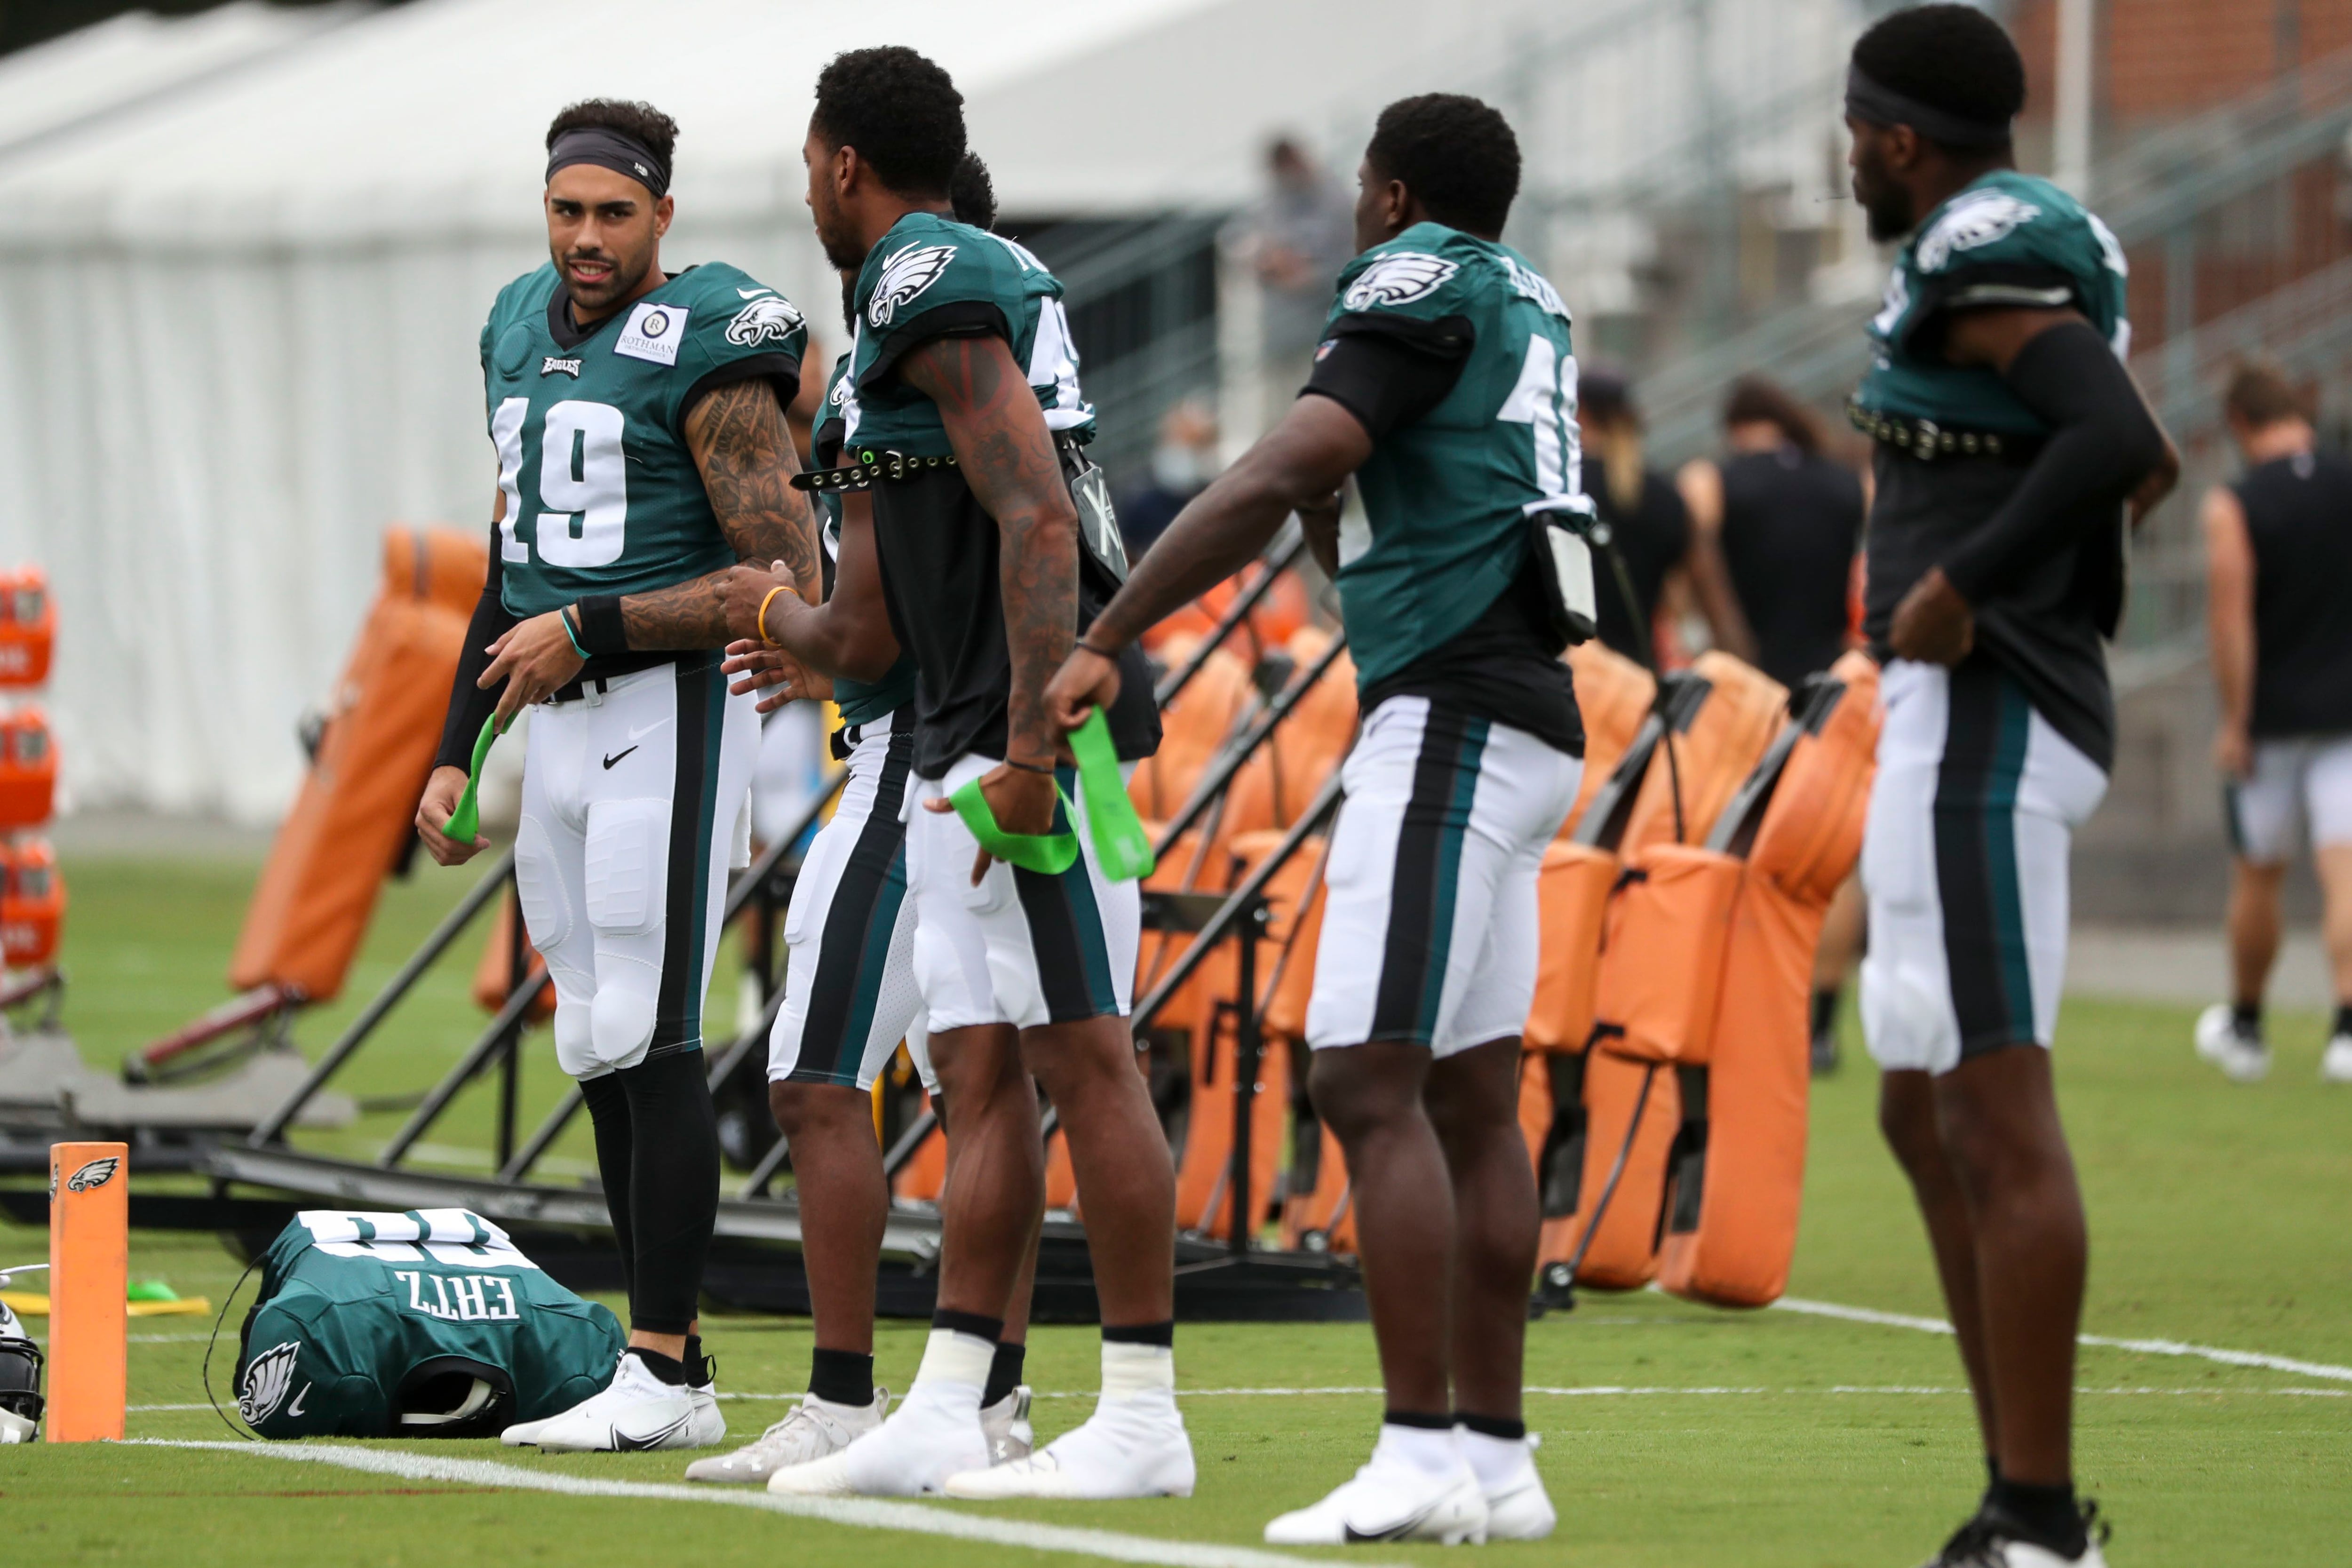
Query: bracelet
[[563, 615], [1106, 657], [1047, 769], [761, 623]]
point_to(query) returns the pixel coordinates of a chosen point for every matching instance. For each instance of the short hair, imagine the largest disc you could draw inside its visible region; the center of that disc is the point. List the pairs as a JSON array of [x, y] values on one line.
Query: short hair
[[1952, 58], [640, 121], [901, 111], [2259, 395], [971, 194], [1457, 155], [1758, 400], [1603, 397]]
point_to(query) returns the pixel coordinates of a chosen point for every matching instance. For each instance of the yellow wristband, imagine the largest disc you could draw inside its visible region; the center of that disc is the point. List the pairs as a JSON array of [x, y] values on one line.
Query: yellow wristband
[[762, 622]]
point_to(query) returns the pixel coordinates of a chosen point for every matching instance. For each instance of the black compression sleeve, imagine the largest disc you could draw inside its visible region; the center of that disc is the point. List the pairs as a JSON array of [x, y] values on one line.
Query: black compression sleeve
[[1389, 378], [471, 706], [2104, 443]]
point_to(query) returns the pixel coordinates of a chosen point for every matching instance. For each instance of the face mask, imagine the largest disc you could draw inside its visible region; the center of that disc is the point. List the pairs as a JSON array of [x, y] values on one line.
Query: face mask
[[1178, 468]]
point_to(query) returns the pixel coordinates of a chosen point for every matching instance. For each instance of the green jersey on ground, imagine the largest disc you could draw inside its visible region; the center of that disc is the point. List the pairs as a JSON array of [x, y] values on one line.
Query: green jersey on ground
[[932, 277], [1447, 496], [363, 1316], [602, 493], [2006, 239]]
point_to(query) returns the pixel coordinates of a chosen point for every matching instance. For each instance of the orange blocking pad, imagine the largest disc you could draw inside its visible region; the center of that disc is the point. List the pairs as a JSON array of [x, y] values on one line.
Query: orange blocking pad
[[1662, 961], [354, 812], [1737, 1172], [1623, 1254], [1573, 903], [89, 1281]]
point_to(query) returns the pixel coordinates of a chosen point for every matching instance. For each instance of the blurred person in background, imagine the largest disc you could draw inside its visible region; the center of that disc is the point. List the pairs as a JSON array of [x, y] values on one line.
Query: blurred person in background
[[1668, 569], [1297, 237], [1182, 464], [1787, 523], [2278, 548]]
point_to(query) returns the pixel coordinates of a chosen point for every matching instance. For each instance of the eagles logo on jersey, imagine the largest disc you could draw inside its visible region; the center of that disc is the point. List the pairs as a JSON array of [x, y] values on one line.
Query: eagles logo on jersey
[[769, 319], [1978, 219], [266, 1379], [905, 274], [1400, 278]]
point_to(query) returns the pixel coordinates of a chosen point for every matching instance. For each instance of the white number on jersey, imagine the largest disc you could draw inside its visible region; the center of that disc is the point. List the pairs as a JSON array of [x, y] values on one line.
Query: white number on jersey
[[1545, 401], [584, 483], [1054, 362]]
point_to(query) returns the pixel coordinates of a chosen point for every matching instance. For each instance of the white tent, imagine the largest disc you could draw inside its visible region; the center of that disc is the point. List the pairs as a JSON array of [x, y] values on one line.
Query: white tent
[[237, 321]]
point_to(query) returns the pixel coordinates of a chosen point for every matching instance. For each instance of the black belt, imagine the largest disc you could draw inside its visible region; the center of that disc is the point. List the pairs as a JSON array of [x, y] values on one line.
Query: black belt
[[1929, 442], [618, 668], [872, 468]]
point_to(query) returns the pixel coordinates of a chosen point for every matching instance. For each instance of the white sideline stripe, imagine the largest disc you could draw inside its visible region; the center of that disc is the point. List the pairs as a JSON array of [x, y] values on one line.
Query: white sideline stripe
[[1841, 1388], [2103, 1342], [863, 1514]]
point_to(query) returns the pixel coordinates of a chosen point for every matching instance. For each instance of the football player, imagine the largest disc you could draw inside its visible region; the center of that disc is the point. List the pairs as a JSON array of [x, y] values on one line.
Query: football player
[[963, 424], [639, 421], [850, 997], [2010, 439], [1447, 384]]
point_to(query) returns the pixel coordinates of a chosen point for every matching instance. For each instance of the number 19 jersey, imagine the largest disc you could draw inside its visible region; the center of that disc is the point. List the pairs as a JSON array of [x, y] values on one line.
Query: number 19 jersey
[[602, 492]]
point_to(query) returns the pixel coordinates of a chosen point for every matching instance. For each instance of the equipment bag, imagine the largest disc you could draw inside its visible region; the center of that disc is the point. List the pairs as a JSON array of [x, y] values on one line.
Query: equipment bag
[[424, 1324]]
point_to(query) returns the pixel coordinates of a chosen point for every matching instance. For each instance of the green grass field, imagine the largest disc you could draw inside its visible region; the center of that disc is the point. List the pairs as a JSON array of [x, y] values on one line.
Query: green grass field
[[1672, 1433]]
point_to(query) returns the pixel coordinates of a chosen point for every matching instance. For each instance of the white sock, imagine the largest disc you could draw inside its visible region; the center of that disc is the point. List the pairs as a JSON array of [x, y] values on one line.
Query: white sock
[[1431, 1451], [954, 1361], [1494, 1461], [1130, 1369]]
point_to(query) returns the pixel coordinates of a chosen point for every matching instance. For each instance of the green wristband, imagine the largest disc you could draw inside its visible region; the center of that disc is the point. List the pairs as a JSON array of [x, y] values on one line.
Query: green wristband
[[1121, 849], [465, 824]]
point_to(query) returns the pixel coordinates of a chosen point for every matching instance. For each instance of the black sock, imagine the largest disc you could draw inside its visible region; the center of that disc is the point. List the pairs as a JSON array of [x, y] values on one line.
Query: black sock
[[1491, 1426], [667, 1368], [2246, 1018], [841, 1377], [2046, 1514], [2342, 1019], [1825, 1011], [1003, 1373], [698, 1365]]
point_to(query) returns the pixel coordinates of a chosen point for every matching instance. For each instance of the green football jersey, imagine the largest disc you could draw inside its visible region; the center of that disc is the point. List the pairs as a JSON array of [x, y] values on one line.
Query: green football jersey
[[860, 701], [931, 272], [602, 492], [1447, 498], [2007, 239], [357, 1311]]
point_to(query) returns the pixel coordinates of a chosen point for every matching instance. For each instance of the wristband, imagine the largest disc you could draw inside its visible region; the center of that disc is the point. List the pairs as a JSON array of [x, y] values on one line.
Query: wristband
[[563, 615], [760, 624], [1107, 657], [600, 630]]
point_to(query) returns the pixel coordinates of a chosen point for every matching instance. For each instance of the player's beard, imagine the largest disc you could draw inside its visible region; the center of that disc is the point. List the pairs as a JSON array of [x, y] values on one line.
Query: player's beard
[[1886, 204], [838, 240], [618, 284]]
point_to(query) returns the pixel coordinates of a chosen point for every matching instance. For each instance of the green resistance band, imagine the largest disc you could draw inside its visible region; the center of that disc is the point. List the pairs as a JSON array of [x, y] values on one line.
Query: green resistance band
[[465, 824], [1120, 846]]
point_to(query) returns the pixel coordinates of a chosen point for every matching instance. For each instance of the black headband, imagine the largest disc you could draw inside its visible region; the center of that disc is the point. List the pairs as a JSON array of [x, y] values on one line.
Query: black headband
[[610, 149], [1875, 104]]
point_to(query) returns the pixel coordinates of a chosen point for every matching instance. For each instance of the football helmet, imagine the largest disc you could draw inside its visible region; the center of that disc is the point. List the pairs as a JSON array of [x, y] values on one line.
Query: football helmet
[[20, 1381]]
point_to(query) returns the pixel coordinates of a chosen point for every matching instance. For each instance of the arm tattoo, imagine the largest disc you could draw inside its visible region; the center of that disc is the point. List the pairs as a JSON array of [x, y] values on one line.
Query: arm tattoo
[[739, 441], [1006, 455]]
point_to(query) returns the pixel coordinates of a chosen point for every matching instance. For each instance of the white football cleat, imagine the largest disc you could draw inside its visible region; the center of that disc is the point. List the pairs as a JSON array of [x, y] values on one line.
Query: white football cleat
[[1518, 1508], [1132, 1447], [1006, 1425], [2335, 1065], [2242, 1056], [1387, 1501], [933, 1434], [637, 1412], [812, 1430]]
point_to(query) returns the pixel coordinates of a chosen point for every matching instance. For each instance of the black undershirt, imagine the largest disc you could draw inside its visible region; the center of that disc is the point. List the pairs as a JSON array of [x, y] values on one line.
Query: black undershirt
[[1500, 667], [2299, 520]]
